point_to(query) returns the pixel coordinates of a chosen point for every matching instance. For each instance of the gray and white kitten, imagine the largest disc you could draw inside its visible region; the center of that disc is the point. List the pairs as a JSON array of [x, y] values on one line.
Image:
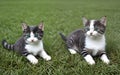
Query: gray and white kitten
[[89, 41], [30, 44]]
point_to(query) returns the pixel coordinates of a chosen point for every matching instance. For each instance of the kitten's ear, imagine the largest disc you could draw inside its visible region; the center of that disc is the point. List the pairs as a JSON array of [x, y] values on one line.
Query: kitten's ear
[[24, 26], [84, 21], [41, 26], [103, 20]]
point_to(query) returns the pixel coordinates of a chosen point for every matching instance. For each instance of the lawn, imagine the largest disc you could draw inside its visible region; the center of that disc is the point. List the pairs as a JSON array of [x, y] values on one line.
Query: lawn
[[58, 16]]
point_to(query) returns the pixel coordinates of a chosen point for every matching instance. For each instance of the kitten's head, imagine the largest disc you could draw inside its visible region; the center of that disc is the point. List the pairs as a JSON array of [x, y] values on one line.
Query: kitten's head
[[95, 28], [32, 34]]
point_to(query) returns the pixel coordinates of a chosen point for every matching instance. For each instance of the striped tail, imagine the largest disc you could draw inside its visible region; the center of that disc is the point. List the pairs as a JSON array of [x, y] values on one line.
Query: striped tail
[[7, 46], [63, 37]]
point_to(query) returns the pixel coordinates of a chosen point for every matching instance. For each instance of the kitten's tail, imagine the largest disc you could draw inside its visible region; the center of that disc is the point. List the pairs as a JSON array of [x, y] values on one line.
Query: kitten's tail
[[63, 36], [7, 46]]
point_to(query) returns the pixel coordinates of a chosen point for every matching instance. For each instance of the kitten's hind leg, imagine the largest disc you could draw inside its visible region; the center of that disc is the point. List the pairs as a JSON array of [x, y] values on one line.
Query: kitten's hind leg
[[72, 51], [45, 56]]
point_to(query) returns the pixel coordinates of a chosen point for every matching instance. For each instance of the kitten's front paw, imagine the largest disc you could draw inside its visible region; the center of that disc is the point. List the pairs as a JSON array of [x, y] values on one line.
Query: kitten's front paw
[[89, 60], [47, 58], [105, 59], [32, 59]]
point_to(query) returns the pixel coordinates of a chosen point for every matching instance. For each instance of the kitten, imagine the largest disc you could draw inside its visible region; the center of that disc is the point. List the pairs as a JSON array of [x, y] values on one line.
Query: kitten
[[89, 41], [30, 44]]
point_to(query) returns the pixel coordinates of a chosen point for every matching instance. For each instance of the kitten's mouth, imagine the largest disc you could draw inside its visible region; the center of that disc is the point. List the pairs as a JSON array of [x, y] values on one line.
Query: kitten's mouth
[[32, 41], [92, 36]]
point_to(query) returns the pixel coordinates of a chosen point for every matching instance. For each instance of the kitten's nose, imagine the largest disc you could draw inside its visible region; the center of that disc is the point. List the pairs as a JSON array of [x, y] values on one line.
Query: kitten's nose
[[32, 40], [91, 33]]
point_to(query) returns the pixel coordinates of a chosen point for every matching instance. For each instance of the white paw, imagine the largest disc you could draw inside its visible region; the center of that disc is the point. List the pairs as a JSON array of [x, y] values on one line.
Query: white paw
[[105, 59], [89, 60], [32, 59], [47, 58], [72, 51]]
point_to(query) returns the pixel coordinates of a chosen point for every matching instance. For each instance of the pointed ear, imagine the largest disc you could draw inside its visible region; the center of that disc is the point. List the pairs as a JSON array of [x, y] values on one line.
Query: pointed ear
[[24, 26], [103, 20], [84, 21], [41, 26]]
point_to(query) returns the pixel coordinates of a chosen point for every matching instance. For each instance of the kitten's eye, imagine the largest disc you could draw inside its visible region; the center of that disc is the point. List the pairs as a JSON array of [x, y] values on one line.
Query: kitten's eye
[[27, 35], [36, 34], [87, 29], [96, 29]]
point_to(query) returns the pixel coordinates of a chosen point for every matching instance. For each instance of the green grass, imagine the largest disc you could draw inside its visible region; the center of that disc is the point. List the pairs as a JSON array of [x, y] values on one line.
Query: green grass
[[58, 16]]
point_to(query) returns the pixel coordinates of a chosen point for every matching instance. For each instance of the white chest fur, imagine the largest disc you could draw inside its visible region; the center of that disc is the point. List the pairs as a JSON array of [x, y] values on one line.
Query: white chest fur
[[95, 44], [34, 48]]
